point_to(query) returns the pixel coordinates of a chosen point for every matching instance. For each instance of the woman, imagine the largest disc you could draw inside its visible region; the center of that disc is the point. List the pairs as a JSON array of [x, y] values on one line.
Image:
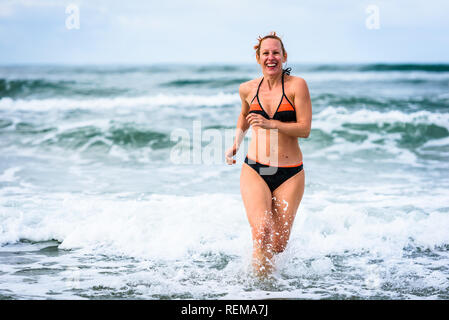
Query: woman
[[278, 108]]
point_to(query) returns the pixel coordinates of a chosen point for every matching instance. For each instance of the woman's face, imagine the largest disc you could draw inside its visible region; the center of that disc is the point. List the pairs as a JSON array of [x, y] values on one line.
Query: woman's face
[[271, 56]]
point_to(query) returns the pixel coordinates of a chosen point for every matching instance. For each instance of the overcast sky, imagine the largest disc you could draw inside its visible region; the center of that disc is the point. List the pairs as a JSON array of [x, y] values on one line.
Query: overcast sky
[[222, 31]]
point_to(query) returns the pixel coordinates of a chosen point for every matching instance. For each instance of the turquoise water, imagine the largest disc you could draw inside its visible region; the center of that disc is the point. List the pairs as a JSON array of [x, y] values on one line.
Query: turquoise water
[[94, 204]]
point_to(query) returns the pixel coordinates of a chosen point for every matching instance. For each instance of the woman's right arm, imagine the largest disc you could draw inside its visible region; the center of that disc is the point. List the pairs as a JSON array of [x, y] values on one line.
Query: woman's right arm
[[242, 125]]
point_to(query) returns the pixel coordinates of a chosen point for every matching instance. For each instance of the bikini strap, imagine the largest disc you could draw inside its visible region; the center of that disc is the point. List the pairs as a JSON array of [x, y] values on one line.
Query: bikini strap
[[260, 83], [287, 71], [257, 93]]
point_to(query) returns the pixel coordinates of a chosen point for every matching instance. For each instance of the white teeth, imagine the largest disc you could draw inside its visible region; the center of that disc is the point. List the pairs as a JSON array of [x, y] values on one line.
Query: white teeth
[[271, 65]]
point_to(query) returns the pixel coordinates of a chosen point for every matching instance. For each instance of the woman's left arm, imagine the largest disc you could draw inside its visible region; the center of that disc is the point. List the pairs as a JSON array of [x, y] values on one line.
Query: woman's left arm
[[303, 105]]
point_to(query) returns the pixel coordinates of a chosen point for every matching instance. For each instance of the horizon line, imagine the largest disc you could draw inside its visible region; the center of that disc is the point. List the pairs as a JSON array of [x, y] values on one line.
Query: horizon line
[[217, 63]]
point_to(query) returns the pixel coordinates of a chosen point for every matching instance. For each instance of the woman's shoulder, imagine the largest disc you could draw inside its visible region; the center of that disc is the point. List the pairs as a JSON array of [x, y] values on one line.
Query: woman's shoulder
[[297, 83], [297, 79], [247, 87]]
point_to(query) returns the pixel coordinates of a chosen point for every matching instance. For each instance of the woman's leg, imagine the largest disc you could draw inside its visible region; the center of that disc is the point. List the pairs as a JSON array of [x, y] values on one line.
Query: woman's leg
[[257, 200], [286, 200]]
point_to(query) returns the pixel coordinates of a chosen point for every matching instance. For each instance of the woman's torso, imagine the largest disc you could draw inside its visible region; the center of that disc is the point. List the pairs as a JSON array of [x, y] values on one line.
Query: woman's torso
[[271, 146]]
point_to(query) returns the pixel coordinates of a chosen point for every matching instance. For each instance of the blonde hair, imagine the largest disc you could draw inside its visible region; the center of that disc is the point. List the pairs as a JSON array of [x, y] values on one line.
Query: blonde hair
[[271, 35]]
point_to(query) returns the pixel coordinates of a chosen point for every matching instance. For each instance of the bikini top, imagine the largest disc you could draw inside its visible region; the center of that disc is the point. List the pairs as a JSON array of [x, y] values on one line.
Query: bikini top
[[285, 111]]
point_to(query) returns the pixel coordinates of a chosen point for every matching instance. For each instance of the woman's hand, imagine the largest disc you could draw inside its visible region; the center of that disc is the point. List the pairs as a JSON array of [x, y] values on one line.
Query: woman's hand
[[230, 153], [256, 120]]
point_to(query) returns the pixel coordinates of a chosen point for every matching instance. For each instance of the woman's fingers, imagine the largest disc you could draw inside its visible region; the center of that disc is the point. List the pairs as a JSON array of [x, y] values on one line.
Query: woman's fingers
[[259, 121], [251, 116], [230, 160], [229, 154], [253, 119]]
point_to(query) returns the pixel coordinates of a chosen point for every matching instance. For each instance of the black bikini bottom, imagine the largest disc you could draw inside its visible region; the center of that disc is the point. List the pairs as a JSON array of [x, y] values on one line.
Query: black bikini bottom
[[274, 176]]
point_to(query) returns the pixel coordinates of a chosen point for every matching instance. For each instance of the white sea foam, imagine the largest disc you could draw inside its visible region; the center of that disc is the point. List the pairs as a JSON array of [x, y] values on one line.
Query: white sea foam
[[175, 240], [172, 227], [366, 143], [163, 226], [179, 100], [9, 174], [332, 118], [437, 143]]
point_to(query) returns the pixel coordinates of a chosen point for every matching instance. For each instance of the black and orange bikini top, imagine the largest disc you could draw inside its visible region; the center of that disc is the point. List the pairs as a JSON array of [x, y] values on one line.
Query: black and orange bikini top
[[285, 111]]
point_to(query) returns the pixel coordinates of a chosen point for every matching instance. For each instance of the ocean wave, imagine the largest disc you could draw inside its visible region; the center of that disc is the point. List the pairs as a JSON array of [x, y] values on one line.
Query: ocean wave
[[382, 103], [220, 68], [167, 246], [139, 230], [17, 87], [205, 83], [334, 117], [42, 88], [375, 79], [189, 100], [377, 134], [330, 126], [89, 69], [406, 67], [377, 67], [96, 136]]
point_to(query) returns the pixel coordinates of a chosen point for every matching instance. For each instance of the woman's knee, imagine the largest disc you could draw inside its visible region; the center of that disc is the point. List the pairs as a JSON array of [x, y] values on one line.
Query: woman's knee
[[263, 232], [280, 240], [279, 247]]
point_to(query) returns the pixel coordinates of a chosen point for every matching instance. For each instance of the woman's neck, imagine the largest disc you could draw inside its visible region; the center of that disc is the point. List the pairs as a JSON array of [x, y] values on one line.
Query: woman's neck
[[273, 80]]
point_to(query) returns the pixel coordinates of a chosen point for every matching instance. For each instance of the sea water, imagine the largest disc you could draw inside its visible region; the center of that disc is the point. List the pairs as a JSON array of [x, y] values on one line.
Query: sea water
[[93, 204]]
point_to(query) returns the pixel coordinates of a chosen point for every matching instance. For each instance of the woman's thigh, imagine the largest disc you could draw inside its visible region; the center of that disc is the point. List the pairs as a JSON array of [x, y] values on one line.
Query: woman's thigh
[[257, 199], [286, 200]]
